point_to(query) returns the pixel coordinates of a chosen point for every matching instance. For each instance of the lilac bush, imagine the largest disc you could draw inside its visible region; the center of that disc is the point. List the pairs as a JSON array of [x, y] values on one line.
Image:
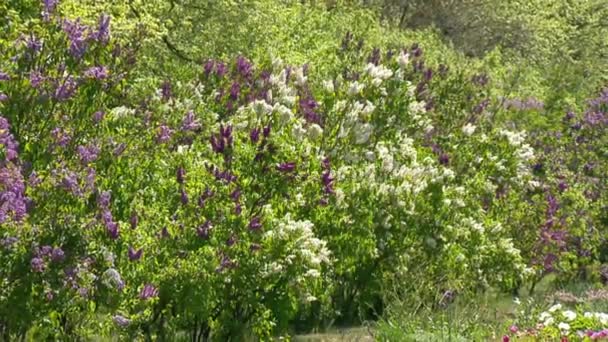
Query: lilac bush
[[257, 196]]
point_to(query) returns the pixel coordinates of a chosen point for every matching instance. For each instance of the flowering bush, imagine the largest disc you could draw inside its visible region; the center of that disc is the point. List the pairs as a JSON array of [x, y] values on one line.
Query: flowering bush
[[253, 197], [559, 323]]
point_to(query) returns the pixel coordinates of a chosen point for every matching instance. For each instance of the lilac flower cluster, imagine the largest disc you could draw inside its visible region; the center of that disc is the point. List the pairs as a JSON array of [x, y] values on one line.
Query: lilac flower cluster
[[529, 103], [222, 141], [45, 254], [13, 201], [103, 203]]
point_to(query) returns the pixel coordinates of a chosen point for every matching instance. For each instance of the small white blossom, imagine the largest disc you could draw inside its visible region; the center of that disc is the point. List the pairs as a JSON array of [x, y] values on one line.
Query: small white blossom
[[329, 86], [355, 88], [468, 129], [569, 315], [555, 307], [403, 59]]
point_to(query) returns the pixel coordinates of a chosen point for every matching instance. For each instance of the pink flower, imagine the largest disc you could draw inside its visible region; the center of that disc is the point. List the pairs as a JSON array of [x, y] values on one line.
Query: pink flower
[[513, 328], [506, 338]]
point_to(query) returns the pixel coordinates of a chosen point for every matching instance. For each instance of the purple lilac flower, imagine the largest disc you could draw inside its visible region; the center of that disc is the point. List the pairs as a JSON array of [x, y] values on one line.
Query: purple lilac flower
[[66, 90], [98, 116], [183, 196], [225, 263], [37, 265], [164, 233], [61, 137], [121, 321], [103, 200], [97, 72], [208, 67], [119, 149], [134, 220], [70, 183], [8, 140], [49, 8], [428, 74], [595, 118], [374, 57], [235, 195], [190, 123], [134, 255], [255, 224], [4, 76], [549, 261], [244, 67], [165, 91], [102, 34], [223, 140], [254, 135], [254, 247], [231, 240], [203, 230], [8, 242], [346, 41], [180, 175], [112, 229], [75, 32], [45, 250], [148, 291], [480, 79], [88, 154], [206, 195], [266, 131], [235, 90], [444, 159], [3, 97], [327, 180], [220, 69], [238, 209], [479, 108], [286, 167], [36, 79], [57, 255], [164, 134], [308, 105]]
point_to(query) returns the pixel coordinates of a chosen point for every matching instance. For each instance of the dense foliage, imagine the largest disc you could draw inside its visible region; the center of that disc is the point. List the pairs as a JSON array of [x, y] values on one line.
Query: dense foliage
[[164, 177]]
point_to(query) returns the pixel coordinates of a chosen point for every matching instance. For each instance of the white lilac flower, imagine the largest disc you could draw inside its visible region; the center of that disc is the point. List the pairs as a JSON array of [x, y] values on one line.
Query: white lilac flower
[[563, 326], [403, 59], [468, 129], [300, 78], [549, 321], [329, 86], [261, 107], [312, 273], [363, 133], [298, 131], [569, 315], [555, 307], [315, 131], [311, 298], [355, 88], [544, 315]]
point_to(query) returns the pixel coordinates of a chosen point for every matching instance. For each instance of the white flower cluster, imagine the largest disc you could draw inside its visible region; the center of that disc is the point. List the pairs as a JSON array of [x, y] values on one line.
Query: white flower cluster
[[303, 248], [378, 73]]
